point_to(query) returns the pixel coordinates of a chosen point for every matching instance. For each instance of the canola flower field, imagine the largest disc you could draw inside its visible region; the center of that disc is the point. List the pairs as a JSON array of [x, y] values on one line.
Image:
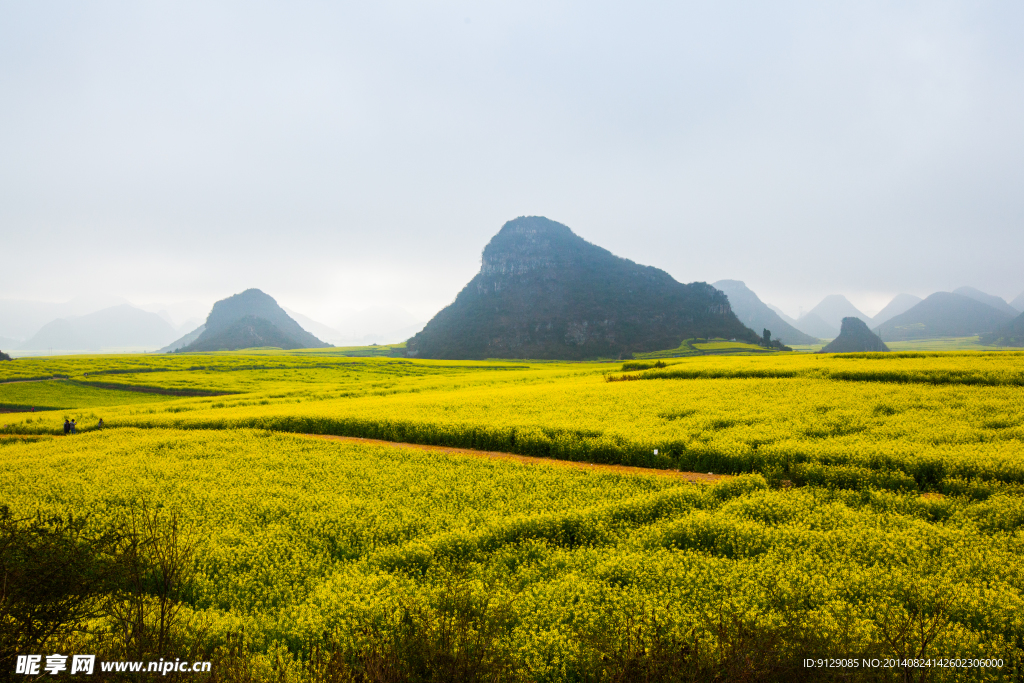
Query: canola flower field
[[875, 512]]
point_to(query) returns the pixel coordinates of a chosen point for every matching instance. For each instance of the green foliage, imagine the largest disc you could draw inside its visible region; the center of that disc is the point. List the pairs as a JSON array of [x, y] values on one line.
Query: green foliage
[[642, 365], [57, 394], [53, 573], [111, 584]]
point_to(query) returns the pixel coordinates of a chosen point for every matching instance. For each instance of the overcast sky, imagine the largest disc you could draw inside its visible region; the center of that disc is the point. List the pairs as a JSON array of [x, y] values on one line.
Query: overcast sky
[[343, 155]]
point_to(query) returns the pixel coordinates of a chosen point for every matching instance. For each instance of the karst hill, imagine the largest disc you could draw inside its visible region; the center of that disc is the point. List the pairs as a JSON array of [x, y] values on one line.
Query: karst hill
[[544, 292], [854, 336], [247, 320]]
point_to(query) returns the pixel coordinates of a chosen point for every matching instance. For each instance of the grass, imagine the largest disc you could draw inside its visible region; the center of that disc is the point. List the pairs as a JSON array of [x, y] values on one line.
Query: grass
[[371, 351], [808, 348], [943, 344], [57, 394], [684, 349], [694, 347], [722, 346]]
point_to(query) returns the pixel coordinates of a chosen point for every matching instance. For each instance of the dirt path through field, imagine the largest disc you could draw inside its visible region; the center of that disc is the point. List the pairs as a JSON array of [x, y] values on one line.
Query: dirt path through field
[[695, 477]]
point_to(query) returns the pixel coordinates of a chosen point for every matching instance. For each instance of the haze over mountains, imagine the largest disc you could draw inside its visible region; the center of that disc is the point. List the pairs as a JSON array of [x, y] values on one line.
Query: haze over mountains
[[756, 315], [374, 325], [123, 326], [1010, 334], [92, 323], [947, 314], [20, 319], [834, 308], [541, 290], [988, 299], [111, 324], [943, 314], [901, 303]]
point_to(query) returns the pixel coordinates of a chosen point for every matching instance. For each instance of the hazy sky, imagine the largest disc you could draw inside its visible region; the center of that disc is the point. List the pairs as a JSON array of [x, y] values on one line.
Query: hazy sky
[[343, 155]]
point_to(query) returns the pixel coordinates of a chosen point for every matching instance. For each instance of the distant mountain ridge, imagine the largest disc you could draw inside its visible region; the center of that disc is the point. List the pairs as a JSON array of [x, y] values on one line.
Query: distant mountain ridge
[[994, 301], [1018, 303], [544, 292], [374, 325], [833, 308], [901, 303], [21, 319], [247, 320], [812, 324], [118, 326], [756, 315], [943, 314]]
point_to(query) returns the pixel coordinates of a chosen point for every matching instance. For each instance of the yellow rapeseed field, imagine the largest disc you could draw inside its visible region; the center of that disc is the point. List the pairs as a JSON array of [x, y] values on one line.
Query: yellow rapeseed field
[[876, 514]]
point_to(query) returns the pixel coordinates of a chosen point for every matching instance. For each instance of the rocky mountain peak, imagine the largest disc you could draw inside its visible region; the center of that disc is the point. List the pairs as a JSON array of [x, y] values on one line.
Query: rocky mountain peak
[[544, 292], [530, 243]]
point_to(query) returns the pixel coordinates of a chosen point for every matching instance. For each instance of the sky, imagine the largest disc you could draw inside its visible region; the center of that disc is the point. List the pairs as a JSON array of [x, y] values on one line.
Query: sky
[[347, 155]]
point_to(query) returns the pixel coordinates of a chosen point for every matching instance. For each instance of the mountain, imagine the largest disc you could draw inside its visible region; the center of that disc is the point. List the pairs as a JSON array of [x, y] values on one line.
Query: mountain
[[753, 313], [1018, 303], [183, 341], [248, 320], [21, 318], [993, 301], [247, 332], [812, 324], [943, 314], [544, 292], [183, 315], [901, 303], [782, 314], [121, 326], [1010, 334], [853, 337], [833, 308]]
